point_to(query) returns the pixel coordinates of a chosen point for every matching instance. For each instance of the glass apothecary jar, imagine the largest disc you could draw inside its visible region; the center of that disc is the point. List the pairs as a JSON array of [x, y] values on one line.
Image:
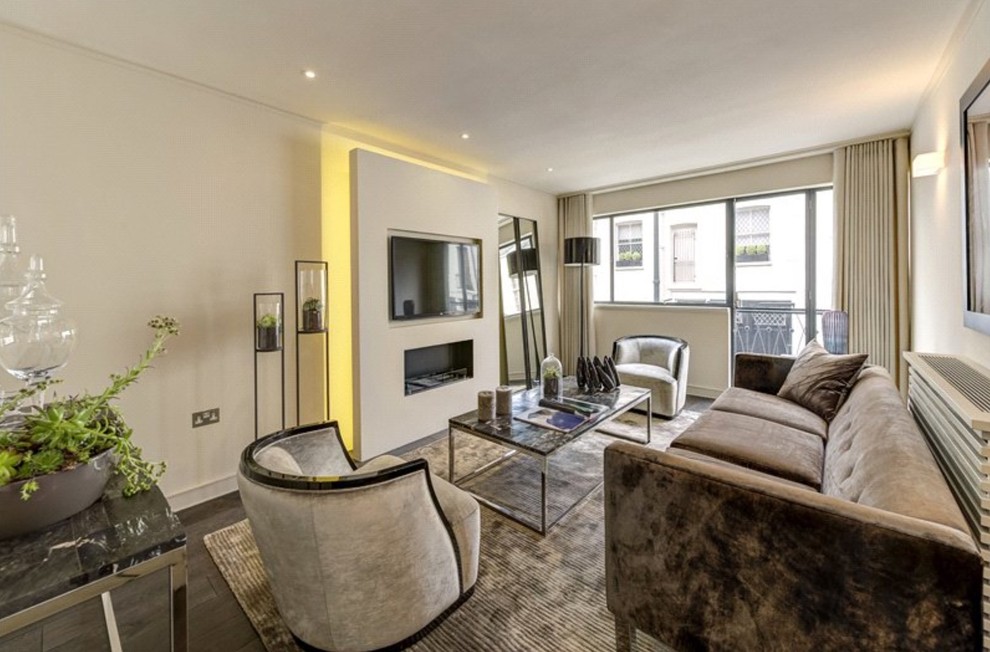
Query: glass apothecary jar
[[552, 378], [268, 328], [36, 339], [11, 275], [311, 296]]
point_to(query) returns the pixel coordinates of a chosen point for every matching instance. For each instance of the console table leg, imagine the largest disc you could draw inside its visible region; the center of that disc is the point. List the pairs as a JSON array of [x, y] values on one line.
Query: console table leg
[[113, 635], [177, 584]]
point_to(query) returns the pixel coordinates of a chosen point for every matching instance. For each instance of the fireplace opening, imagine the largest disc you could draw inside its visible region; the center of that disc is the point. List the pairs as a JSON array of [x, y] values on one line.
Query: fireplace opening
[[430, 367]]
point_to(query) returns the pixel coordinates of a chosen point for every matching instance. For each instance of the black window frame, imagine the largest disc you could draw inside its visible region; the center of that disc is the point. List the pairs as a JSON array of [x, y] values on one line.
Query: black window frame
[[811, 269]]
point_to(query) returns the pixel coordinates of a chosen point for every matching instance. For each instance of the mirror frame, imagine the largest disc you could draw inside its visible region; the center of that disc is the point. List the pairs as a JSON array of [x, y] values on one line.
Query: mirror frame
[[979, 321], [525, 309]]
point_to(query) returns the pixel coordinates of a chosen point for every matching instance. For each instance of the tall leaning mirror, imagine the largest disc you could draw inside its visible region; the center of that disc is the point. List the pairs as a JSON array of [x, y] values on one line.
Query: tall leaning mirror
[[524, 336]]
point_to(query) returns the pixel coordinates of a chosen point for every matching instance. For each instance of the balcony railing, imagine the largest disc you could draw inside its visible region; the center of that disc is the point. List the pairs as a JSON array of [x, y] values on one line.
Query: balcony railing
[[774, 331]]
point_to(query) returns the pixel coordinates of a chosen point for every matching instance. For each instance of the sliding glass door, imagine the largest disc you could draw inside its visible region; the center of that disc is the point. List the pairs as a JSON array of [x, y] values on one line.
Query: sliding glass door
[[782, 246]]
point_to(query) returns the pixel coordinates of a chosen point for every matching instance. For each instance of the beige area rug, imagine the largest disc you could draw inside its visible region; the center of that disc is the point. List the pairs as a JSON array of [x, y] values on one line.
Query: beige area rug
[[533, 593]]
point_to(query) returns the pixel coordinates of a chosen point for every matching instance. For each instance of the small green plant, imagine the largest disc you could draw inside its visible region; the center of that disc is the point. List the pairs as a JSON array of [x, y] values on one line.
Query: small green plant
[[67, 432], [267, 320], [752, 250], [553, 372], [312, 304]]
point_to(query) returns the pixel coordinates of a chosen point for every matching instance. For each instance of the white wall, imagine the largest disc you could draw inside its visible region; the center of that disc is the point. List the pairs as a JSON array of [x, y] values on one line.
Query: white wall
[[938, 284], [149, 195], [390, 194], [706, 330]]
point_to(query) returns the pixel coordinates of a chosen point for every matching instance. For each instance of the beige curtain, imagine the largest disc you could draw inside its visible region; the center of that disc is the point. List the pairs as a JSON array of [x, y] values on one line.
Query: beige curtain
[[871, 248], [574, 219], [978, 223]]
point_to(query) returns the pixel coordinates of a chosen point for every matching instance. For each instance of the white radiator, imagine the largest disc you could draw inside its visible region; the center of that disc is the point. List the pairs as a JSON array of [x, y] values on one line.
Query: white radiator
[[950, 399]]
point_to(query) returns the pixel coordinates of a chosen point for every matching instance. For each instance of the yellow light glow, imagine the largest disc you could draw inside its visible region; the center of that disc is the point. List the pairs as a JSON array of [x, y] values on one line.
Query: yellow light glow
[[309, 74]]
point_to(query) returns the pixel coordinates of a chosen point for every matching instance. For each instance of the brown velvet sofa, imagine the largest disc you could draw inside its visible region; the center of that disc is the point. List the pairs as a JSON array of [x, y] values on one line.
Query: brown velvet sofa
[[765, 528]]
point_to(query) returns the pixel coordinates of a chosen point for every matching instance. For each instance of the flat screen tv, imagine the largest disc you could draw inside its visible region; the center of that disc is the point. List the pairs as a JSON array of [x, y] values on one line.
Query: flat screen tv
[[431, 277]]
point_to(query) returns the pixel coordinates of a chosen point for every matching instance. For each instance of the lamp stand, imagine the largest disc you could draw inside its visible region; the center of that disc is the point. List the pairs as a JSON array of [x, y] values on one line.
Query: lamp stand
[[582, 309]]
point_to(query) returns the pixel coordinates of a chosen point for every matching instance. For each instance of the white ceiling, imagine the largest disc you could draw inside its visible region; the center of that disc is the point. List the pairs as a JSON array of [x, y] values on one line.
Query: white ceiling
[[605, 92]]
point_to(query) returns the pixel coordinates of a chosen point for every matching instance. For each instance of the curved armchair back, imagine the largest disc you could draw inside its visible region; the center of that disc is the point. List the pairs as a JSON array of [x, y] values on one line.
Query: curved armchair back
[[355, 561], [657, 350], [657, 362]]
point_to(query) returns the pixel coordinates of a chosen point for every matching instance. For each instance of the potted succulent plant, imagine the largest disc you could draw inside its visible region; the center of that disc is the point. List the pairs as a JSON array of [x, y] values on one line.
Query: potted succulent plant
[[268, 333], [312, 315], [55, 459]]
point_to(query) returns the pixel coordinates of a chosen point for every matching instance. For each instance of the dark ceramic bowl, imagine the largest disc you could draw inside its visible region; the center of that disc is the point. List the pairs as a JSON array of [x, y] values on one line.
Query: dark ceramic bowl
[[59, 496]]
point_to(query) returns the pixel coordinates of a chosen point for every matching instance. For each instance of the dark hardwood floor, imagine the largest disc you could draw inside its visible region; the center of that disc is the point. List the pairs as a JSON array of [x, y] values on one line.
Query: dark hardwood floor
[[216, 622]]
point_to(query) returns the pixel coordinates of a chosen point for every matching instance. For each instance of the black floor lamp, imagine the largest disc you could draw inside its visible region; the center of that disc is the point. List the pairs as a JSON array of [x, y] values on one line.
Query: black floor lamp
[[578, 252]]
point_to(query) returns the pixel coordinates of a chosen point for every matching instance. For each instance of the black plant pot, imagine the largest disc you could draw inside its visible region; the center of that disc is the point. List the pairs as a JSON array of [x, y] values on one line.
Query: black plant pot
[[312, 321], [551, 388], [267, 338]]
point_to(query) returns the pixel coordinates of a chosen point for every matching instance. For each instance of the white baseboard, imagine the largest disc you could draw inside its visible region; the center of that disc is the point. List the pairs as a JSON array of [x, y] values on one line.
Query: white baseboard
[[200, 494], [704, 392]]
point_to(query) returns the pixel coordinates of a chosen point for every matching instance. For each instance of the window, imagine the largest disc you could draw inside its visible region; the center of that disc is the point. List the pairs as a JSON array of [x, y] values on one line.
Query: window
[[696, 277], [703, 254], [629, 244], [682, 242], [753, 234]]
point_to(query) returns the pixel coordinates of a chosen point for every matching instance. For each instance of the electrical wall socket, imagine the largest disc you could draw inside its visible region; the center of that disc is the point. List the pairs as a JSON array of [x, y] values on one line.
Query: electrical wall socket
[[206, 417]]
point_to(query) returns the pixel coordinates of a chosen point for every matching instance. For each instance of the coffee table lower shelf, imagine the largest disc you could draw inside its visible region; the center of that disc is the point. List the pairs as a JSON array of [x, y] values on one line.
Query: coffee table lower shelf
[[463, 424]]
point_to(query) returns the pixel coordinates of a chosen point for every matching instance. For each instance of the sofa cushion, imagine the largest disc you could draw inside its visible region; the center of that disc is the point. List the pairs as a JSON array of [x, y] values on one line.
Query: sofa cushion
[[876, 456], [722, 464], [772, 408], [757, 444], [820, 381]]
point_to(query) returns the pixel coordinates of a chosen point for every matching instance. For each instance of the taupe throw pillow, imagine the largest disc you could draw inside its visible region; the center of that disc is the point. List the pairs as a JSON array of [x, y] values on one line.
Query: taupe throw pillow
[[820, 381]]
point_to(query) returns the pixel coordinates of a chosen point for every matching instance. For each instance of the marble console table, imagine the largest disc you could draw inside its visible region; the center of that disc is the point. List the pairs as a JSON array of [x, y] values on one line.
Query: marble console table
[[114, 541]]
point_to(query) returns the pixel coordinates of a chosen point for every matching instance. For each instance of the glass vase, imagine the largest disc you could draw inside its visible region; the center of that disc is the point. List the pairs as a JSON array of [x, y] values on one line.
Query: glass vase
[[311, 296], [11, 275], [268, 322], [36, 339], [552, 378]]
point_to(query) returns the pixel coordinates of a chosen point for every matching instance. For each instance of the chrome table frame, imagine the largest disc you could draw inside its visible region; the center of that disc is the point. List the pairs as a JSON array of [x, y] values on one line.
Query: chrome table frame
[[174, 560], [543, 526]]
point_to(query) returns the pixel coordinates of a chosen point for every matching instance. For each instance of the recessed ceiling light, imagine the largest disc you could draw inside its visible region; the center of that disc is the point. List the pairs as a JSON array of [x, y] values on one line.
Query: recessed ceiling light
[[309, 74], [465, 136], [549, 169]]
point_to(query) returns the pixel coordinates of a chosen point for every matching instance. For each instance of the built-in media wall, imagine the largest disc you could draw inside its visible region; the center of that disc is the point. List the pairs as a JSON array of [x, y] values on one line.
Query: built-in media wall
[[426, 298]]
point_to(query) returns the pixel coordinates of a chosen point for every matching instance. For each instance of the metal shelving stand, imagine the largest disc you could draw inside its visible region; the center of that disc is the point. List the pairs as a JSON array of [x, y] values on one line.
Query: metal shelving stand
[[311, 289], [267, 341]]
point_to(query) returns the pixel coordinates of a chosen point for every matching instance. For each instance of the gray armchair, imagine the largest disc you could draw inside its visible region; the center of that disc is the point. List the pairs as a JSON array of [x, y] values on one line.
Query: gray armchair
[[658, 363], [358, 558]]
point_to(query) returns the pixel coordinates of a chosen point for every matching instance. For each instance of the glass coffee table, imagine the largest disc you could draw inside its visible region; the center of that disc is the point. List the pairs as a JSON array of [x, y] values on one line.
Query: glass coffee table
[[540, 443]]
